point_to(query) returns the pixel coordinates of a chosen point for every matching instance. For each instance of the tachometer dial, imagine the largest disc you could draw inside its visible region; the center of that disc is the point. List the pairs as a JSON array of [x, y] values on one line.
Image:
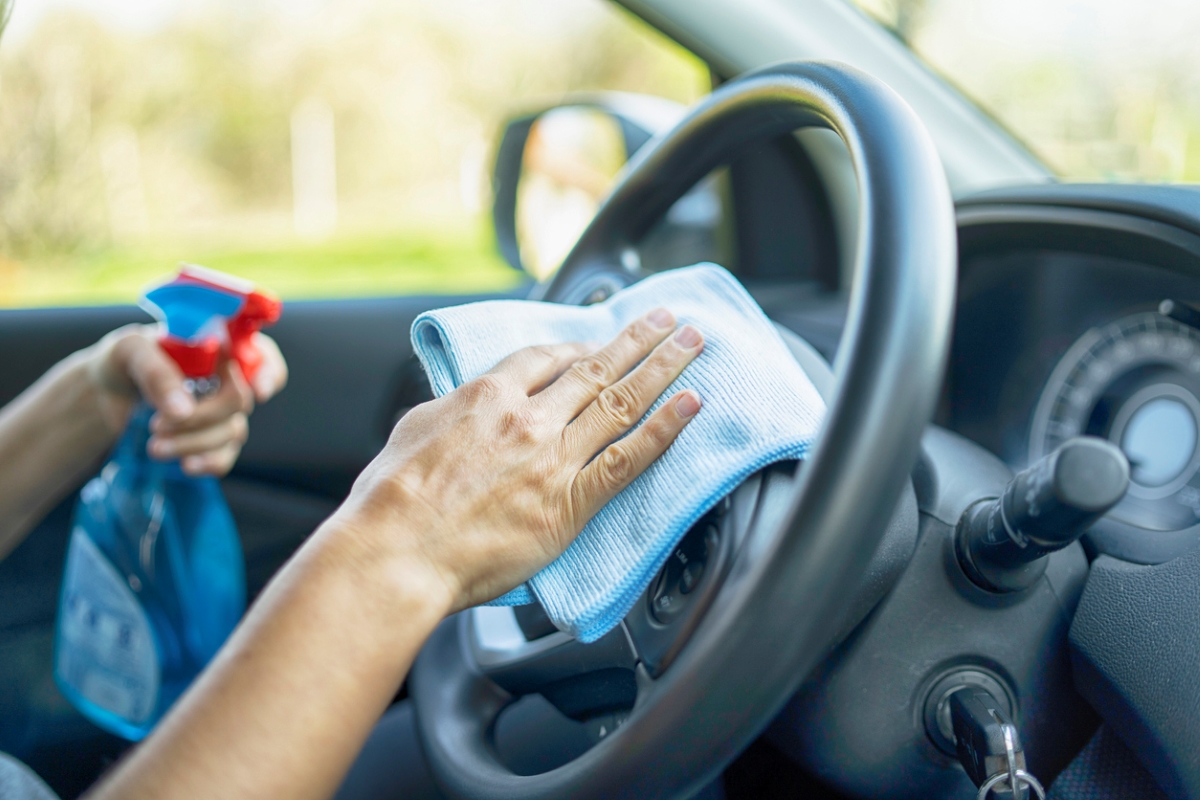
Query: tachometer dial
[[1134, 382]]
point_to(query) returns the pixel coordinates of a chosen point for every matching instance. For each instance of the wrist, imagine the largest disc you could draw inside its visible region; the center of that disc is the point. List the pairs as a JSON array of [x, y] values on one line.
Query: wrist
[[112, 394], [81, 401], [387, 565]]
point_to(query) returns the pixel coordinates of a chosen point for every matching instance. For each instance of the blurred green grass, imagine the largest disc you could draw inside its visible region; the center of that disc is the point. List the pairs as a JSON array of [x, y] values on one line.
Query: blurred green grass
[[395, 263]]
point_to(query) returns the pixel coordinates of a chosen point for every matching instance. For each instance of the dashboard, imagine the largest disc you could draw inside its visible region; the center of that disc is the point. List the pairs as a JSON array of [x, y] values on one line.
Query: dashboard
[[1061, 330], [1079, 313]]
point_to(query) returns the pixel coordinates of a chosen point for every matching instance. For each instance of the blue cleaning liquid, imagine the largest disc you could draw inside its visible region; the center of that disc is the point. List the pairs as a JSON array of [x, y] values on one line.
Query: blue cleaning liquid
[[154, 584]]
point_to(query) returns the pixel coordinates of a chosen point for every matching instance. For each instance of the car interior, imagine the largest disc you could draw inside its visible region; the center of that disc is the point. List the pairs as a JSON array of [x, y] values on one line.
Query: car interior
[[997, 536]]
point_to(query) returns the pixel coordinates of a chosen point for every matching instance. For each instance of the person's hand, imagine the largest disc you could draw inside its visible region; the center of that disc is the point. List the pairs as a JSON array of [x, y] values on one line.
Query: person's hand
[[488, 484], [205, 435]]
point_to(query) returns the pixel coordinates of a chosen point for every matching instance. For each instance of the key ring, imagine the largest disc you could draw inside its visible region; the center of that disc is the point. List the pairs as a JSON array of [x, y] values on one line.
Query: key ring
[[1014, 777], [1020, 775]]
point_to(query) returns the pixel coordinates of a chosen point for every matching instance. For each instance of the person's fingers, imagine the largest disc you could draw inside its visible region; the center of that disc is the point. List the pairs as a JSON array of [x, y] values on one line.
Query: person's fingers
[[272, 374], [618, 464], [589, 376], [619, 407], [155, 375], [232, 429], [233, 396], [232, 378], [214, 462], [533, 368]]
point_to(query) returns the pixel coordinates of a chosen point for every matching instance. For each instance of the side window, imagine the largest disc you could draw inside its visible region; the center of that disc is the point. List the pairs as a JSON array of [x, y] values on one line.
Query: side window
[[324, 150]]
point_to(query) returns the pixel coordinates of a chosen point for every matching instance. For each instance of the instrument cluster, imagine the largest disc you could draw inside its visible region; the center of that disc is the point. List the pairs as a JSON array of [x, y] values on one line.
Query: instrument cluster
[[1049, 346]]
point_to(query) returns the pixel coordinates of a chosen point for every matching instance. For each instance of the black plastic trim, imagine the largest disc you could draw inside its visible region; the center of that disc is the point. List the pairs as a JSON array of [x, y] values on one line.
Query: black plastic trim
[[1134, 646]]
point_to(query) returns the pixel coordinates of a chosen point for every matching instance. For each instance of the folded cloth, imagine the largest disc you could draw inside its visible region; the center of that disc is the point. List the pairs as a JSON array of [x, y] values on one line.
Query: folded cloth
[[758, 407]]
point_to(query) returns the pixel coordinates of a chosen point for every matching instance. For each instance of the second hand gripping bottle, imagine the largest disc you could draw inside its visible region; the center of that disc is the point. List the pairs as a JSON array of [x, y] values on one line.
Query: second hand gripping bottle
[[155, 578]]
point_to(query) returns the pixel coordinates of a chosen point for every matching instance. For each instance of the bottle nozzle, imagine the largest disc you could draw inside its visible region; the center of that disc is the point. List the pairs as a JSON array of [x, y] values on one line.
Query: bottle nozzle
[[204, 311]]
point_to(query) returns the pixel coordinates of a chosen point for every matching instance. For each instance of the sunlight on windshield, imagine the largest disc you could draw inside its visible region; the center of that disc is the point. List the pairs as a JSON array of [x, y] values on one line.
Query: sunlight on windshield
[[1100, 89], [322, 147]]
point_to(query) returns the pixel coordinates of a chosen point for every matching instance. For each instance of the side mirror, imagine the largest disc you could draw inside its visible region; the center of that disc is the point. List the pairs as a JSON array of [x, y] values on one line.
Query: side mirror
[[555, 167]]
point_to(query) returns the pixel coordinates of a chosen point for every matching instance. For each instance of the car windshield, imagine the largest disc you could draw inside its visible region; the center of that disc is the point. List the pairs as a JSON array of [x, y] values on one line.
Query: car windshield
[[1099, 89]]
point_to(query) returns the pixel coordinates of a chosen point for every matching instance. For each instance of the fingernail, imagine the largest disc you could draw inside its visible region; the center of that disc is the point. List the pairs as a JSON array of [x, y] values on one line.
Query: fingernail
[[192, 464], [161, 448], [661, 318], [687, 337], [180, 404], [688, 404]]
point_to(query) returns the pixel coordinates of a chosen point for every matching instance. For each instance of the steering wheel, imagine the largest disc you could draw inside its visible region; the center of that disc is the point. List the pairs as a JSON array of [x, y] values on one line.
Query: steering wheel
[[701, 685]]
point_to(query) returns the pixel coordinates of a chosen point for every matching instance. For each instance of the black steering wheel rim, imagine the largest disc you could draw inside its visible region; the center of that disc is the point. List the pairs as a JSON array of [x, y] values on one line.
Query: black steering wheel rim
[[779, 604]]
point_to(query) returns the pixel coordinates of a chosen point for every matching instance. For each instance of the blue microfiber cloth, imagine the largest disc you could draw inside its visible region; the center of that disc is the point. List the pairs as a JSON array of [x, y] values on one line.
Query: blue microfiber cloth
[[758, 407]]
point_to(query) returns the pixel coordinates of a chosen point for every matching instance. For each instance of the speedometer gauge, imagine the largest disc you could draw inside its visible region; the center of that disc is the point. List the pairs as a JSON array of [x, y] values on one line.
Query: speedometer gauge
[[1134, 382]]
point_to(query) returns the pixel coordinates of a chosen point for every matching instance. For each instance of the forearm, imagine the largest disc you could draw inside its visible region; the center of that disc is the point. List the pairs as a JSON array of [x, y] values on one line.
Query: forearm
[[473, 494], [50, 436], [287, 704]]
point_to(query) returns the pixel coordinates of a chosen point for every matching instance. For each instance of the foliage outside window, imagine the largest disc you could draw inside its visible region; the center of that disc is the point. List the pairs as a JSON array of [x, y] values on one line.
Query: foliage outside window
[[325, 149]]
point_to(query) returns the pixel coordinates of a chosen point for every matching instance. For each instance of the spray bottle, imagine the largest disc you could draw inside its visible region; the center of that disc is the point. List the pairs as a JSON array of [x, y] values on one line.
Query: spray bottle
[[155, 578]]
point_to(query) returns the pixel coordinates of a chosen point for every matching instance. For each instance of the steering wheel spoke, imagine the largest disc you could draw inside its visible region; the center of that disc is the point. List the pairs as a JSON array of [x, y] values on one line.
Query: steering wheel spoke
[[520, 666], [519, 651]]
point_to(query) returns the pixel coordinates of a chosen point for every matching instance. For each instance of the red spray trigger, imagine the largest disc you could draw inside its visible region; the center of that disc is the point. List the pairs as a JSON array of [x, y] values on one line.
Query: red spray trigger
[[261, 309]]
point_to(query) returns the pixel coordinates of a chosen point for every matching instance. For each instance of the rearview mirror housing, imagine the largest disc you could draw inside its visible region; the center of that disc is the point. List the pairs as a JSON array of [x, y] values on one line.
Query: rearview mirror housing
[[554, 168]]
